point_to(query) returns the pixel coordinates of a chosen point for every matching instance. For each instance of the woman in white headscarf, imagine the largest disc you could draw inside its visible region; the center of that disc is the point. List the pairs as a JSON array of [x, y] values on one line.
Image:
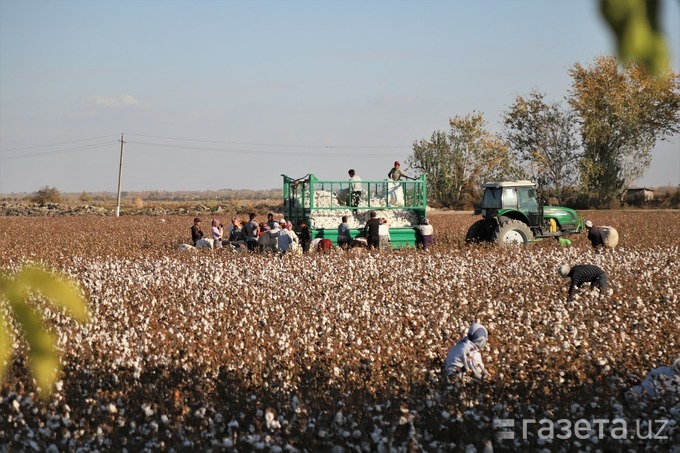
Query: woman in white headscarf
[[464, 357]]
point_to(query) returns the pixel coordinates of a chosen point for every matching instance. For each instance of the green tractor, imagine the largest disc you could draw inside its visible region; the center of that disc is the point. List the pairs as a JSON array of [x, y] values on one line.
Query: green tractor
[[512, 212]]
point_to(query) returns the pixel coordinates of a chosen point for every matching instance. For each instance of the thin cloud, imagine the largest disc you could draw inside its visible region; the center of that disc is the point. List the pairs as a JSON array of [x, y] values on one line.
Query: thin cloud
[[115, 101]]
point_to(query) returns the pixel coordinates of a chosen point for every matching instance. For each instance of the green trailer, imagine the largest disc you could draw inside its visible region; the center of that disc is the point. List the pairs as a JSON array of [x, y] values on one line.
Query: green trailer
[[323, 203]]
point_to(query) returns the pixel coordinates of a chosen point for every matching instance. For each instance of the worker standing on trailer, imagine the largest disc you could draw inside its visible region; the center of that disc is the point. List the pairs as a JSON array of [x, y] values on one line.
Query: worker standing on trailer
[[396, 174], [354, 188]]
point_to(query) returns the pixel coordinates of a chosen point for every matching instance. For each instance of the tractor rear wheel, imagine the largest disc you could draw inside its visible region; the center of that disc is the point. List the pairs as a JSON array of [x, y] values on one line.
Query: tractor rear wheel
[[512, 232], [478, 232]]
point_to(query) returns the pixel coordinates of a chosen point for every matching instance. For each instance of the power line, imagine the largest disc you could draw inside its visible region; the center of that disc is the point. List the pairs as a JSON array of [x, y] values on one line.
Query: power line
[[56, 144], [256, 152], [58, 151], [318, 153], [272, 144]]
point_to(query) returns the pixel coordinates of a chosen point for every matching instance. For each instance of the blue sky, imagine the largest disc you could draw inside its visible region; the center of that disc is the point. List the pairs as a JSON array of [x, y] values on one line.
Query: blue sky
[[231, 94]]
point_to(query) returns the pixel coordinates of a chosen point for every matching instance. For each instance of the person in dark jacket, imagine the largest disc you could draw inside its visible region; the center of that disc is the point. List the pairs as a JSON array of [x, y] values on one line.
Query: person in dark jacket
[[594, 234], [196, 232], [582, 274], [373, 231], [305, 236]]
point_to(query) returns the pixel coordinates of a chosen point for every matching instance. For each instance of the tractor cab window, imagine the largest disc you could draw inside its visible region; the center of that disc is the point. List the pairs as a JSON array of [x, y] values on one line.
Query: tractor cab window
[[492, 198], [527, 199], [509, 197]]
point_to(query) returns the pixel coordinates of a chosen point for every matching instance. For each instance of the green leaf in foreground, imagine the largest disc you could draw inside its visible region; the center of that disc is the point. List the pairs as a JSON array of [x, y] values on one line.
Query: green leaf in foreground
[[17, 291]]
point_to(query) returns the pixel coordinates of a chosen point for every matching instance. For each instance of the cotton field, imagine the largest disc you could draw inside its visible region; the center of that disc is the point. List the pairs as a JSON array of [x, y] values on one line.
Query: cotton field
[[342, 352]]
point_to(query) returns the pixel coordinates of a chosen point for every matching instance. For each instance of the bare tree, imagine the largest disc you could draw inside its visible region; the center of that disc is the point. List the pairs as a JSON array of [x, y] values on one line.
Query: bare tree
[[544, 139]]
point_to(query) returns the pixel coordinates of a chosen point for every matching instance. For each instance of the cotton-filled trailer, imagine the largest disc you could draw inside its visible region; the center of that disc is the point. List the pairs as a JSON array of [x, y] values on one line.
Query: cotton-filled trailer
[[323, 204]]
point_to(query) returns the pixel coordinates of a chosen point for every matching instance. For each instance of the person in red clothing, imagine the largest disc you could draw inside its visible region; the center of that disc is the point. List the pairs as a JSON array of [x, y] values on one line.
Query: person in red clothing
[[325, 245]]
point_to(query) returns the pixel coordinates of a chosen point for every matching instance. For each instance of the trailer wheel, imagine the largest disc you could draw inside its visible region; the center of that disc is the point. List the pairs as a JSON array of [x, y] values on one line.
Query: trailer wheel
[[512, 232]]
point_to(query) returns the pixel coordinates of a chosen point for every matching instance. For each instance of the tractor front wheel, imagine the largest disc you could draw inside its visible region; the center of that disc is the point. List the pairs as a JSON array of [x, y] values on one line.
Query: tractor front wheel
[[512, 232]]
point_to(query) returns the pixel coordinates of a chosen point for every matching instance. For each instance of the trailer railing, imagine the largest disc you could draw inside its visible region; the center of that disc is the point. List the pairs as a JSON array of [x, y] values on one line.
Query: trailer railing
[[322, 203]]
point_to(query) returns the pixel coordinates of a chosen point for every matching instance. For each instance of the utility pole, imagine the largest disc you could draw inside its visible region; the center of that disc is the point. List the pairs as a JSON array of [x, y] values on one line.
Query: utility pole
[[120, 174]]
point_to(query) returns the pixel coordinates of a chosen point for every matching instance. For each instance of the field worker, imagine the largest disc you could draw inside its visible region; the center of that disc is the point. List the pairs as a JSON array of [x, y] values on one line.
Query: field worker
[[464, 358], [269, 241], [396, 174], [305, 235], [425, 229], [196, 233], [324, 245], [594, 234], [344, 235], [236, 237], [293, 235], [384, 233], [658, 382], [582, 274], [250, 231], [217, 232], [314, 245], [285, 239], [372, 230], [354, 188], [270, 220]]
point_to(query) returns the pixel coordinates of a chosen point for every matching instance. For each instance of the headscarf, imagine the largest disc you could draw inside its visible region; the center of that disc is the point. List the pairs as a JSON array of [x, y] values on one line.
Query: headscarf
[[478, 335]]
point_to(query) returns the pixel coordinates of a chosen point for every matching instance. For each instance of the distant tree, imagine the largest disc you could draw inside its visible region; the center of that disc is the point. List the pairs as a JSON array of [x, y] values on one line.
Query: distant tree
[[47, 194], [622, 114], [85, 197], [458, 162], [544, 138], [15, 293]]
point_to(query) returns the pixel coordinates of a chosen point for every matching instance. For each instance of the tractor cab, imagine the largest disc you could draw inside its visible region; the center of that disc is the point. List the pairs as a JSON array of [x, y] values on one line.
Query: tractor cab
[[513, 199]]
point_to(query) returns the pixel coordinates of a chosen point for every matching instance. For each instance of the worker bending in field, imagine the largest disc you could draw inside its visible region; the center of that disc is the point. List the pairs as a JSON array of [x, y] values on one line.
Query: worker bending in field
[[464, 358], [582, 274], [594, 234]]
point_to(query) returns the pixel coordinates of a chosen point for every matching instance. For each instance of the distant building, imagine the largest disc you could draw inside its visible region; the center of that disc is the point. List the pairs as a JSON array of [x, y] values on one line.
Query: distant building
[[639, 195]]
